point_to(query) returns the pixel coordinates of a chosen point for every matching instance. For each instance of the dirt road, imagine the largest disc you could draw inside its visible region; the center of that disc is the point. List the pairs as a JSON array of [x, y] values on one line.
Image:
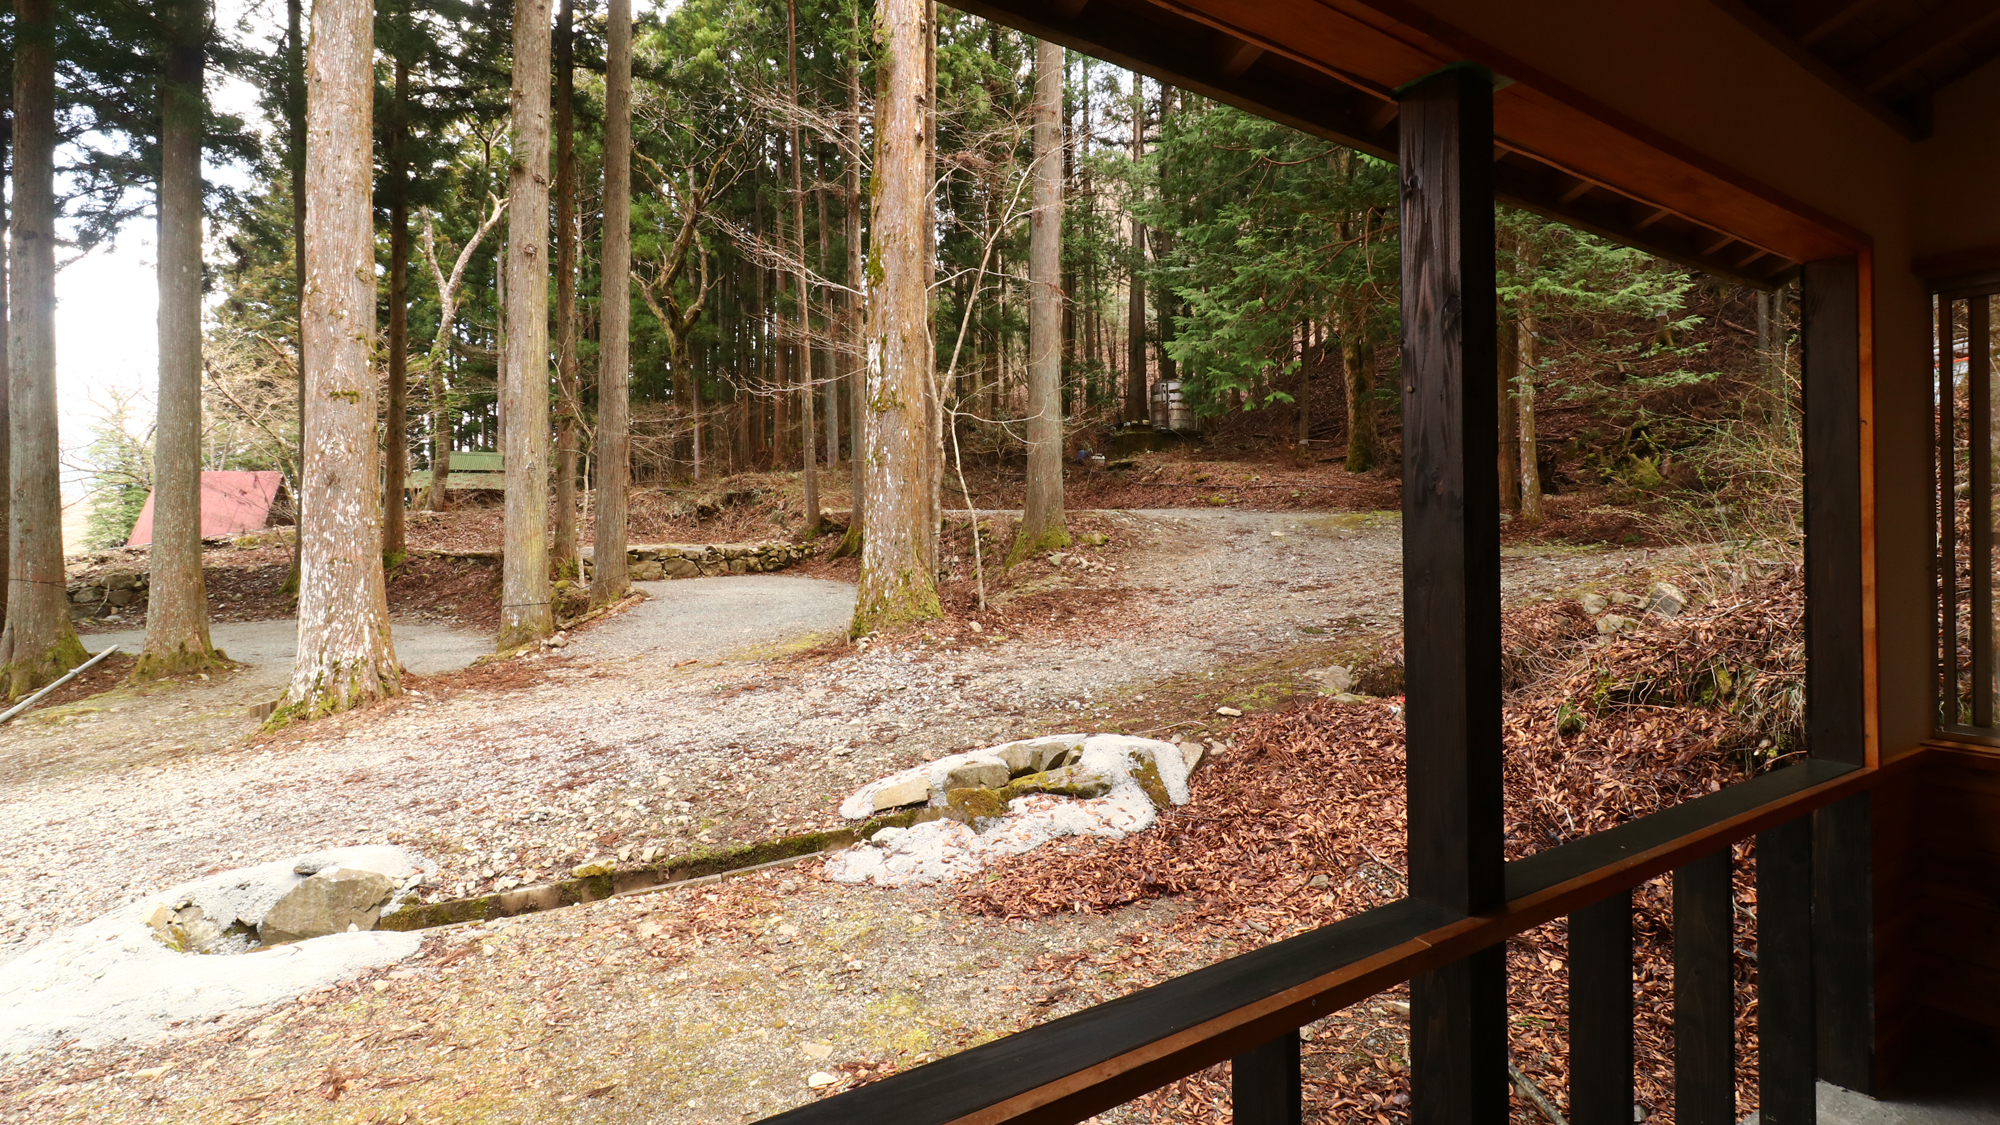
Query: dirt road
[[619, 745]]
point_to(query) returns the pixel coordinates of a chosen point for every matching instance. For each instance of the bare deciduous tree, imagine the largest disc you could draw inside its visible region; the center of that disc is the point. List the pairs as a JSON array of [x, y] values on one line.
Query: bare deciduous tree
[[345, 656], [434, 363]]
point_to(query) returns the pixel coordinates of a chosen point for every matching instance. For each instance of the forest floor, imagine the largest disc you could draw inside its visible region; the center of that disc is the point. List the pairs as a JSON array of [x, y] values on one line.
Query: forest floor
[[667, 730]]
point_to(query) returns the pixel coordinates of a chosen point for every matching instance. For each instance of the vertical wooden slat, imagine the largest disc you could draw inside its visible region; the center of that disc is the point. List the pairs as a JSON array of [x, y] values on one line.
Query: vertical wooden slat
[[1264, 1084], [1787, 1070], [1947, 577], [1979, 437], [1451, 583], [1704, 999], [1844, 941], [1600, 1012], [1842, 910]]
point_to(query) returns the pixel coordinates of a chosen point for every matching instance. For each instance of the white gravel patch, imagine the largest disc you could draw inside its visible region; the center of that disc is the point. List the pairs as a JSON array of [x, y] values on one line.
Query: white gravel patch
[[942, 850], [111, 981]]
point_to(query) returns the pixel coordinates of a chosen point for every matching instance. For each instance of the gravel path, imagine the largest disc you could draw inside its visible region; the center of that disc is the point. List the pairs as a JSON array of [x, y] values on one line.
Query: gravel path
[[702, 619], [620, 746]]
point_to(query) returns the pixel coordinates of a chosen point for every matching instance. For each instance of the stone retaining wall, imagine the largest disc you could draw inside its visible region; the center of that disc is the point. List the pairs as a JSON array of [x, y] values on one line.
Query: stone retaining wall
[[109, 593], [119, 592], [689, 560]]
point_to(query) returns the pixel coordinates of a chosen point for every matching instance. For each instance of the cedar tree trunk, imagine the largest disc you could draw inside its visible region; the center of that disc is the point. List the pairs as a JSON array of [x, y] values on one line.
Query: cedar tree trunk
[[850, 544], [345, 656], [38, 643], [563, 548], [396, 443], [525, 613], [609, 578], [898, 579], [1042, 523], [808, 439], [177, 637]]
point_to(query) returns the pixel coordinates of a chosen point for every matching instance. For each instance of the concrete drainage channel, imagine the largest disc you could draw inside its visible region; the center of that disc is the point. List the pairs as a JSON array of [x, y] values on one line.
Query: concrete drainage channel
[[680, 871]]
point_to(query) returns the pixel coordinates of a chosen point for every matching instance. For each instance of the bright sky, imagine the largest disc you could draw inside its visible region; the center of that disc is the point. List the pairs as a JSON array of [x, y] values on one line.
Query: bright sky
[[106, 303]]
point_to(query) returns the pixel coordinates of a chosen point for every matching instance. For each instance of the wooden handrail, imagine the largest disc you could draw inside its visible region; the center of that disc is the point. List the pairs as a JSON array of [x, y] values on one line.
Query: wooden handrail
[[1069, 1069]]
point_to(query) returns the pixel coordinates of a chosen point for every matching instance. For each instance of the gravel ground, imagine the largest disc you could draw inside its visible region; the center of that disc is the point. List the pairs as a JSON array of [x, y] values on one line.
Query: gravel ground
[[646, 735]]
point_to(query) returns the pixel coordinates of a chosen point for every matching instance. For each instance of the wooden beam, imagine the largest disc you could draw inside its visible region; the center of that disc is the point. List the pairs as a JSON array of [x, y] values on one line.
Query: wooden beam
[[1575, 192], [1833, 19], [1937, 31], [1382, 118], [1843, 926], [1830, 365], [1067, 9], [1657, 214], [1715, 245], [1451, 585], [1234, 56], [1755, 253]]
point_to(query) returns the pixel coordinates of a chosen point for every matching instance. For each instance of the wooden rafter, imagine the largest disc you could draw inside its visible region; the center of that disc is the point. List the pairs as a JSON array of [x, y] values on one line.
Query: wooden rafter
[[1938, 31], [1833, 19]]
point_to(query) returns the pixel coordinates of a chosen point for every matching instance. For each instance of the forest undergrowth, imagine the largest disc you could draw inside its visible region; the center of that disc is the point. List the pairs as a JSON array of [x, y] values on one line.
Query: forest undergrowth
[[1301, 823]]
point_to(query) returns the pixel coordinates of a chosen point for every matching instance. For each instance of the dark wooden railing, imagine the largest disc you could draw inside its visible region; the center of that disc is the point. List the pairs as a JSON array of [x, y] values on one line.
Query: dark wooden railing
[[1249, 1008]]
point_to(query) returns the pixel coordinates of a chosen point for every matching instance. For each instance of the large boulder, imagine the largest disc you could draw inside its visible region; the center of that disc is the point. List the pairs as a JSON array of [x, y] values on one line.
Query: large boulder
[[329, 902]]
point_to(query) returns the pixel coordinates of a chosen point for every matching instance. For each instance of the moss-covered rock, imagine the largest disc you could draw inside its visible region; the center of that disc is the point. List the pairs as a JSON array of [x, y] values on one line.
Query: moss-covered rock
[[973, 805], [1068, 781]]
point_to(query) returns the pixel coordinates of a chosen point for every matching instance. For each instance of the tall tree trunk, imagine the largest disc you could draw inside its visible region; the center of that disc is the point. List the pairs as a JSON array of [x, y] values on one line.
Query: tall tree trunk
[[1043, 526], [525, 613], [832, 361], [1302, 394], [295, 168], [177, 637], [933, 517], [6, 428], [1510, 442], [1524, 406], [38, 643], [563, 549], [850, 544], [1166, 301], [1135, 314], [396, 443], [898, 580], [609, 579], [808, 439], [1357, 362], [345, 656]]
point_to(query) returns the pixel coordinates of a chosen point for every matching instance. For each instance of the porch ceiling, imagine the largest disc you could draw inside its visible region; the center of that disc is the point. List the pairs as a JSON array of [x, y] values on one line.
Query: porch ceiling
[[1330, 68], [1889, 55]]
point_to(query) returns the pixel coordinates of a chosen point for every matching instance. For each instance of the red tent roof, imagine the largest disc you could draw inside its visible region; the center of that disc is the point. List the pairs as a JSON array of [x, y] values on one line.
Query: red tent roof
[[231, 502]]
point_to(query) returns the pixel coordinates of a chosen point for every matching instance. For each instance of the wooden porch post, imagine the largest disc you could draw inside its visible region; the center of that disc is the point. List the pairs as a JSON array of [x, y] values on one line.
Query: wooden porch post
[[1451, 584], [1843, 835]]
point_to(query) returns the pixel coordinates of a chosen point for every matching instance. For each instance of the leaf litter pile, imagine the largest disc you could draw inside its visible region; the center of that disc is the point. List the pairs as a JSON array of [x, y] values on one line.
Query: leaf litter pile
[[1301, 824]]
